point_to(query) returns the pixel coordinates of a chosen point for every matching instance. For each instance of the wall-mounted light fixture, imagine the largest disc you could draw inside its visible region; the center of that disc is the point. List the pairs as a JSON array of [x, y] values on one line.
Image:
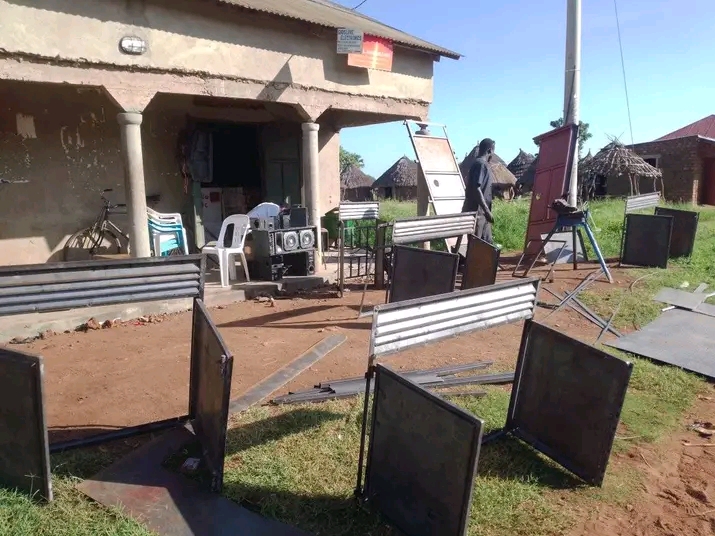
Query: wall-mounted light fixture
[[136, 46]]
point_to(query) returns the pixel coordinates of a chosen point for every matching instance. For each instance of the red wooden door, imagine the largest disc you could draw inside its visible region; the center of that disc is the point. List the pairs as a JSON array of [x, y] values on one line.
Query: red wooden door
[[709, 182], [551, 180]]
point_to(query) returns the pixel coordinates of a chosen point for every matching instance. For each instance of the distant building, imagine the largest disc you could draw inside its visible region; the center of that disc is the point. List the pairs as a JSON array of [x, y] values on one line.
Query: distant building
[[356, 185], [504, 180], [399, 182], [687, 160]]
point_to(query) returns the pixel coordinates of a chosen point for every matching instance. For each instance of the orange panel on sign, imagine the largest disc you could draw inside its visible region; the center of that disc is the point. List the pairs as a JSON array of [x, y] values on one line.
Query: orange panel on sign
[[376, 54]]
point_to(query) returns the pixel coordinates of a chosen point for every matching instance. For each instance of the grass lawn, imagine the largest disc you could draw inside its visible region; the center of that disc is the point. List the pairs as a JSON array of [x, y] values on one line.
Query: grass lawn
[[298, 463]]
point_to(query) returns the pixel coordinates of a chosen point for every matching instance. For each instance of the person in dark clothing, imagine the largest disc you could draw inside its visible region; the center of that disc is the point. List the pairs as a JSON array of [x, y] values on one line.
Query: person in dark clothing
[[478, 190]]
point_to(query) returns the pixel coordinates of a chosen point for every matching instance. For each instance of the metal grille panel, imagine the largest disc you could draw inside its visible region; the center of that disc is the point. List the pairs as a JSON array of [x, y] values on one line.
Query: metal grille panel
[[399, 326], [24, 450], [641, 202], [567, 400], [69, 285], [422, 458], [413, 230], [358, 211], [211, 369]]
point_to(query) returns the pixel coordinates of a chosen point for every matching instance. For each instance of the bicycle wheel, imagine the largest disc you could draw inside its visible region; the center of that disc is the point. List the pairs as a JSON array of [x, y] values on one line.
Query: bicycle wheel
[[82, 245]]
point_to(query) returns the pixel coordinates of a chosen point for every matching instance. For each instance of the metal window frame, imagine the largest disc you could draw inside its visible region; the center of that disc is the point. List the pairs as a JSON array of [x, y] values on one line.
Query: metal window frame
[[355, 211]]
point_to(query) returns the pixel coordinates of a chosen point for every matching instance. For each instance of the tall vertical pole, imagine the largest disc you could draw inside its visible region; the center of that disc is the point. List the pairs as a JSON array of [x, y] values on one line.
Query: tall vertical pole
[[572, 83]]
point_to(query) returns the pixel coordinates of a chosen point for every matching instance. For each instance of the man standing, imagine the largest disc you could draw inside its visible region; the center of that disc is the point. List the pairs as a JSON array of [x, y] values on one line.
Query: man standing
[[478, 191]]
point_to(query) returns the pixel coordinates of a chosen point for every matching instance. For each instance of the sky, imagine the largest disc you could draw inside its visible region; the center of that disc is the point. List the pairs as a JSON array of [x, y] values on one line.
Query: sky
[[510, 82]]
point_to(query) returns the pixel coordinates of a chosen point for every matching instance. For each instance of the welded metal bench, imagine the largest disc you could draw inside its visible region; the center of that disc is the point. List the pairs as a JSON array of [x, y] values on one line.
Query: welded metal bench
[[364, 211]]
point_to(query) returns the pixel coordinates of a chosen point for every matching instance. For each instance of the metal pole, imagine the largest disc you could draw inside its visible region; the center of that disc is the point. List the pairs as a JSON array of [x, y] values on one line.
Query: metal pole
[[572, 82]]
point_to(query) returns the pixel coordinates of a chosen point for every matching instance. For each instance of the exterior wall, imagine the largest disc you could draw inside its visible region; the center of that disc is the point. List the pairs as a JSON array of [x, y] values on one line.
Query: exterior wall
[[681, 164], [65, 142], [212, 40], [329, 163]]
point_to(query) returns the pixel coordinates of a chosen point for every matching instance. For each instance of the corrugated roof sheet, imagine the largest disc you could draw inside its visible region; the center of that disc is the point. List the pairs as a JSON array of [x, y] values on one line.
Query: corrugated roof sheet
[[332, 15], [705, 128]]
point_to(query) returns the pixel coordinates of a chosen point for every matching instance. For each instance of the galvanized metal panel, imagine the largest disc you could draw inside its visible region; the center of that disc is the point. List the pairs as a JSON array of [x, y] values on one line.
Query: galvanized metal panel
[[677, 337], [642, 202], [685, 227], [358, 211], [399, 326], [436, 156], [646, 240], [210, 391], [567, 400], [445, 185], [60, 286], [428, 228], [553, 170], [448, 206], [481, 265], [24, 446], [417, 273], [422, 458]]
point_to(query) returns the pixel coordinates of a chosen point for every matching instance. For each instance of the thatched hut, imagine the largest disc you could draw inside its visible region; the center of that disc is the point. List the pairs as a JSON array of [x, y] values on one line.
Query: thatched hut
[[355, 185], [521, 163], [504, 180], [621, 171], [399, 182]]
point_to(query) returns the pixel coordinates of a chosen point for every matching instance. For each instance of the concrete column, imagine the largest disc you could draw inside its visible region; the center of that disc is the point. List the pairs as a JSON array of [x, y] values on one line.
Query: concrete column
[[311, 181], [422, 199], [130, 125]]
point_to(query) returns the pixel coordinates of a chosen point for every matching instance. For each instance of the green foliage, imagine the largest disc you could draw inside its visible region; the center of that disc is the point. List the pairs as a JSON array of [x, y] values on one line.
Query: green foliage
[[348, 159]]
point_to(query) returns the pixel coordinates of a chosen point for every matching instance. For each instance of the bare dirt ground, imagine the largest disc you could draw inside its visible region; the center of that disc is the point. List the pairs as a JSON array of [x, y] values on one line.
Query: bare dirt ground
[[138, 372]]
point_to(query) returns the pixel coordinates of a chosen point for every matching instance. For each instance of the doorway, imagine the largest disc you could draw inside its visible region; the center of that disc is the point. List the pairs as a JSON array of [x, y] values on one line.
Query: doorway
[[708, 189]]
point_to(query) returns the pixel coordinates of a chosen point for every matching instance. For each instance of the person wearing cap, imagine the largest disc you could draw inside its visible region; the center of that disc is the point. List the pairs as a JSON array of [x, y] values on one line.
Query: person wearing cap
[[478, 190]]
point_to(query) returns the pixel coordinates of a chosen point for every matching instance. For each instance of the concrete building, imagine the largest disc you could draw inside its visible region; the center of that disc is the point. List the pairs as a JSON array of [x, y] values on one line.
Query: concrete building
[[687, 159], [160, 98]]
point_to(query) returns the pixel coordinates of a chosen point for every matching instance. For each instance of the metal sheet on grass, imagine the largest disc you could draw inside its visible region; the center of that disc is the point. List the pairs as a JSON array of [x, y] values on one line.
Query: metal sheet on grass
[[210, 391], [685, 227], [422, 458], [481, 265], [555, 254], [567, 400], [677, 337], [646, 240], [24, 450], [418, 273]]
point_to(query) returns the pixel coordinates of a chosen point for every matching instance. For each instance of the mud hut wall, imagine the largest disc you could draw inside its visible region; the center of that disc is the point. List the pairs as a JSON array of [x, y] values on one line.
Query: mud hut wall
[[681, 164]]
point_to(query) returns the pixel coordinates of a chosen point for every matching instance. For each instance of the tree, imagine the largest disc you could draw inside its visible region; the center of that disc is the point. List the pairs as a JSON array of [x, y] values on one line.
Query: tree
[[583, 134], [348, 159]]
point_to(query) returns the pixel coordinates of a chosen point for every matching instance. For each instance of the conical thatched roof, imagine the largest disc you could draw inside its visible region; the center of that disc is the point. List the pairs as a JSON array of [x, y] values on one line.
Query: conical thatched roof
[[526, 181], [354, 177], [502, 175], [586, 158], [616, 160], [402, 173], [521, 163]]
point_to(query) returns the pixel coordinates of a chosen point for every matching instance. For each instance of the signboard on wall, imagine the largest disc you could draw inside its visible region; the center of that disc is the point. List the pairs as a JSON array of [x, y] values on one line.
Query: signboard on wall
[[376, 54], [350, 41]]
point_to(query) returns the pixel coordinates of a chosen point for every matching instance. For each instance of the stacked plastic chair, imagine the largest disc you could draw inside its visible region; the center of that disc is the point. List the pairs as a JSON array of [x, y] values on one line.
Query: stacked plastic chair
[[167, 233]]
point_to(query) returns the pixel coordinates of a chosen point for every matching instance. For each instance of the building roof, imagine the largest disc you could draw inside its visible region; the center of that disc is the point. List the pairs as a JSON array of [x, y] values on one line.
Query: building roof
[[401, 173], [704, 128], [332, 15], [502, 174], [354, 177]]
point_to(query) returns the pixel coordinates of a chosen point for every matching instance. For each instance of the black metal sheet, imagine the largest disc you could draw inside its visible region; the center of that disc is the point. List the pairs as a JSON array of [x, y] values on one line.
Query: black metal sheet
[[567, 400], [418, 273], [646, 240], [210, 391], [677, 337], [169, 503], [422, 458], [481, 265], [685, 227], [24, 451]]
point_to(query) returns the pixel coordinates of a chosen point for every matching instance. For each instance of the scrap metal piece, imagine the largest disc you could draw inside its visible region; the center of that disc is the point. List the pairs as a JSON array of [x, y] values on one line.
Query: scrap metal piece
[[422, 458], [169, 503], [282, 376], [24, 451], [417, 273], [481, 264], [567, 400], [685, 227], [680, 298], [677, 337], [646, 240]]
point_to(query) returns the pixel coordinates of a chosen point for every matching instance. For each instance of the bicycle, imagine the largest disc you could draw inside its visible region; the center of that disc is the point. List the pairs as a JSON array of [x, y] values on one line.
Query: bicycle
[[102, 237]]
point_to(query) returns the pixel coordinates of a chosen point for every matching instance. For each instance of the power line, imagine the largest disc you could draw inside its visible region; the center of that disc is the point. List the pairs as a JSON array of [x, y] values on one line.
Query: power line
[[357, 6], [623, 68]]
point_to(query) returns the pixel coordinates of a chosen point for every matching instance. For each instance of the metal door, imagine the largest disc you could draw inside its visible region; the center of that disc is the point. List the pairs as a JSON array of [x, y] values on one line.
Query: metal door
[[551, 180]]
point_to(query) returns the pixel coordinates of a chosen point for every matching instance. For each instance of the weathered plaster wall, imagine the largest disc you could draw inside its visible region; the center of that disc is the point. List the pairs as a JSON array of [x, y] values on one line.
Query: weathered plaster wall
[[65, 142], [202, 37], [329, 143]]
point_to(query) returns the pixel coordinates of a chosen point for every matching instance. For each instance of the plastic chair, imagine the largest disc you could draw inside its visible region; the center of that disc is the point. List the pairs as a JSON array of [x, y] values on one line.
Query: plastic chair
[[167, 233], [227, 265], [264, 210]]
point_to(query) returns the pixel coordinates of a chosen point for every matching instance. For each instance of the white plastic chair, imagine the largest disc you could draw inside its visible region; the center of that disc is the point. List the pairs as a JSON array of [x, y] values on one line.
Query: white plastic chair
[[264, 210], [226, 261]]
